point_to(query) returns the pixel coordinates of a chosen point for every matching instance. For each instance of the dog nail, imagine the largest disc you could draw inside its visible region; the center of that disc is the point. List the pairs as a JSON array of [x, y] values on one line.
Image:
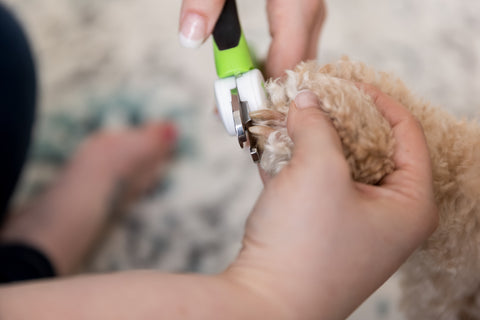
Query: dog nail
[[261, 131], [306, 99], [192, 30], [266, 115]]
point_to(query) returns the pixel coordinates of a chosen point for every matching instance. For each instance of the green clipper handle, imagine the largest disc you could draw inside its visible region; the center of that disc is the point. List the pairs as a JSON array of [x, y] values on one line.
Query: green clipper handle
[[232, 56]]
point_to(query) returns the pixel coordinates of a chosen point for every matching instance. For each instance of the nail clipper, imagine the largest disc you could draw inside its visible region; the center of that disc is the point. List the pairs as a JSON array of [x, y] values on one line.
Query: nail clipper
[[240, 87]]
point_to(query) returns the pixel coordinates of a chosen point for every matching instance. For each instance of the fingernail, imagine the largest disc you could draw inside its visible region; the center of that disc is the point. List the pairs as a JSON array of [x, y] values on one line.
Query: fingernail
[[306, 99], [192, 30], [169, 133]]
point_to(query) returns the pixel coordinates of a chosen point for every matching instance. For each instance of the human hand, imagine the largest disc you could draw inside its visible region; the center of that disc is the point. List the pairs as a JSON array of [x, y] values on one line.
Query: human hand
[[317, 243], [295, 28]]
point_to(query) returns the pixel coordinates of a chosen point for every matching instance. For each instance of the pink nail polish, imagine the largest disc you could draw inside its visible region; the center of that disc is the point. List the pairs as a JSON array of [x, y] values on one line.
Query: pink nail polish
[[169, 133], [193, 30]]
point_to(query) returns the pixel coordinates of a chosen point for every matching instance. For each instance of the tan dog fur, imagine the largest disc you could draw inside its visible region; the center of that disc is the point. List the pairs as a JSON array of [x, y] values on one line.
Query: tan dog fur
[[441, 279]]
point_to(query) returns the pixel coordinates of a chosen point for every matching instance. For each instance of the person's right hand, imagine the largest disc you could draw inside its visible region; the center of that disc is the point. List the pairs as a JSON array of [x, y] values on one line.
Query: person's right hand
[[295, 28], [317, 243]]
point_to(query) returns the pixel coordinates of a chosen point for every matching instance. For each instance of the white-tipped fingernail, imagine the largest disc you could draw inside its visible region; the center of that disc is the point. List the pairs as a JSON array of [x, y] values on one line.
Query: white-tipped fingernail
[[193, 30], [306, 99]]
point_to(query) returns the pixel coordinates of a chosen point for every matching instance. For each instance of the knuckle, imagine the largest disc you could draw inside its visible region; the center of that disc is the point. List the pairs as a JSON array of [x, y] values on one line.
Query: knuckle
[[372, 91], [310, 117], [326, 168], [313, 117], [369, 88], [416, 122], [380, 98]]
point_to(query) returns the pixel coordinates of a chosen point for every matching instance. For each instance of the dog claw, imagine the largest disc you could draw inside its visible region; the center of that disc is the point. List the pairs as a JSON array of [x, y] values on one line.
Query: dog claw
[[267, 115], [261, 131]]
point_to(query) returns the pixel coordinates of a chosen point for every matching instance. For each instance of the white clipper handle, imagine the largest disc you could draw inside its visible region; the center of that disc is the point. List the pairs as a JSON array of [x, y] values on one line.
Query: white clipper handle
[[251, 89], [250, 86], [223, 99]]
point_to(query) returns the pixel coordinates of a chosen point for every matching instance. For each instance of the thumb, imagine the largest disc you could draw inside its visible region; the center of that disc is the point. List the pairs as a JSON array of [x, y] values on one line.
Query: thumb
[[312, 132]]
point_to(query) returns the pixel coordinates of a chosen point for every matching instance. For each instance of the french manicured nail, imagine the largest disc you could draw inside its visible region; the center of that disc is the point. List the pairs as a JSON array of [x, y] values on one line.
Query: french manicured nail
[[306, 99], [192, 30]]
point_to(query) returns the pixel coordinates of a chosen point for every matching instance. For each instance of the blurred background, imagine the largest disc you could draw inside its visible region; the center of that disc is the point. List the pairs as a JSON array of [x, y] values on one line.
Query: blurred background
[[111, 62]]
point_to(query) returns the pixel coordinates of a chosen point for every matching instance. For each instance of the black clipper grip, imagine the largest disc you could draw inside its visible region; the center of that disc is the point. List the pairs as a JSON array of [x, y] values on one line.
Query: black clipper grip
[[227, 31]]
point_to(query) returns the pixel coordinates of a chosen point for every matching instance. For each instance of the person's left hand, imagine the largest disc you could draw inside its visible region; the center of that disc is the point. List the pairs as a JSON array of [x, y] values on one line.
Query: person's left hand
[[318, 243]]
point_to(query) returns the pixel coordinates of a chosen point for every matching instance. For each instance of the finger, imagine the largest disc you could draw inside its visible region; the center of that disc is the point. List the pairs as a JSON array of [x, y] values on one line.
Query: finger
[[315, 139], [295, 29], [197, 20], [411, 152]]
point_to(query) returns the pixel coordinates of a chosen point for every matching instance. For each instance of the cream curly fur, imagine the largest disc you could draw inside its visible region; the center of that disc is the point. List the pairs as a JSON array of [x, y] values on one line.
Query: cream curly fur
[[441, 280]]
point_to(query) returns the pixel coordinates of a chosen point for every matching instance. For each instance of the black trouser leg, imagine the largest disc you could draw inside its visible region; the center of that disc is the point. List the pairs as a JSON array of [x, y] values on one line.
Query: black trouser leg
[[17, 104], [17, 111]]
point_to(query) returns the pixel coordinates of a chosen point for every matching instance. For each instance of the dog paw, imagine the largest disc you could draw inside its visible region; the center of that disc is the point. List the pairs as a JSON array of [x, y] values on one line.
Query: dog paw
[[366, 136]]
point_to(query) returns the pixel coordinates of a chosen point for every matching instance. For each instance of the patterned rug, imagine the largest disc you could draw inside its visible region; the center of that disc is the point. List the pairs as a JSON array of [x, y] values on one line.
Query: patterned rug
[[105, 63]]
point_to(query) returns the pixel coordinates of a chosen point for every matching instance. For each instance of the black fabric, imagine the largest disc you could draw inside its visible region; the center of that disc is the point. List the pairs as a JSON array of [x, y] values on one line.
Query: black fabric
[[17, 109], [227, 31], [20, 262], [17, 104]]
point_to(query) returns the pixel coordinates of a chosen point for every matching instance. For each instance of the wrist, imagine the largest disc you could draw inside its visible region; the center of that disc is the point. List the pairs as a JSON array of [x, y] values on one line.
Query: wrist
[[275, 292], [291, 288], [258, 293]]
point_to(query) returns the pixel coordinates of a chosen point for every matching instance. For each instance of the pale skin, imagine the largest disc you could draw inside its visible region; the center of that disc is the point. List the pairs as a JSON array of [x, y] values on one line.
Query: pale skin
[[316, 244], [295, 28]]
